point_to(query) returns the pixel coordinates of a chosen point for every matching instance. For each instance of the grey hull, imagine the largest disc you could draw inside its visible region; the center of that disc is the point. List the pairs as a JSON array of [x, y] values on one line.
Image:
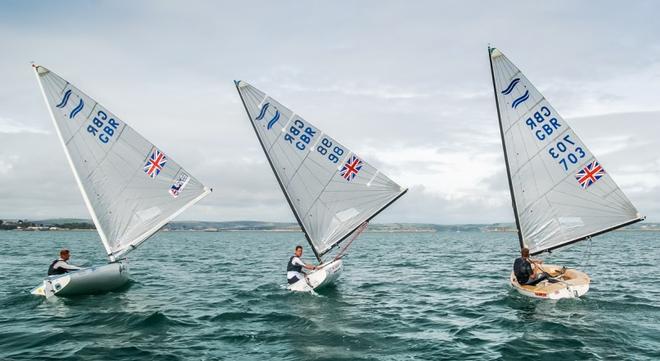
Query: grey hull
[[86, 281]]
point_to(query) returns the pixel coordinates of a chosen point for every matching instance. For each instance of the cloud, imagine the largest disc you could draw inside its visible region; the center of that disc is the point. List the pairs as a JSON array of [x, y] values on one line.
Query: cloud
[[9, 126], [405, 85]]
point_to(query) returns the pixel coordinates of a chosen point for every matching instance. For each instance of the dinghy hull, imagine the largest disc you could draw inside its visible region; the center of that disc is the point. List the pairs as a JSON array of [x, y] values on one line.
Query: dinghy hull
[[326, 275], [90, 280], [572, 284]]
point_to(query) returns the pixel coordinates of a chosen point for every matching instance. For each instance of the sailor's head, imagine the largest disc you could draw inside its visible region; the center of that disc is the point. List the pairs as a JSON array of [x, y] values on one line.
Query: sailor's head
[[525, 252], [298, 251], [64, 254]]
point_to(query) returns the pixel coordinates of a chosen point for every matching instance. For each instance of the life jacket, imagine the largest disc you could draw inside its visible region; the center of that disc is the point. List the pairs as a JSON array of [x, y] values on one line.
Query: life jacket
[[522, 269], [293, 267], [56, 271]]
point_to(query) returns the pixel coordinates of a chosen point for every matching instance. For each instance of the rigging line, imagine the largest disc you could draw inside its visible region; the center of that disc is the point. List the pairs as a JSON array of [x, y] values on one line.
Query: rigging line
[[399, 195], [357, 232]]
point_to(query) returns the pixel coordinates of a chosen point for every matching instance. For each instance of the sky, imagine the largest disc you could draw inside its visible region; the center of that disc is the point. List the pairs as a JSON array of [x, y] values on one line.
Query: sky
[[404, 84]]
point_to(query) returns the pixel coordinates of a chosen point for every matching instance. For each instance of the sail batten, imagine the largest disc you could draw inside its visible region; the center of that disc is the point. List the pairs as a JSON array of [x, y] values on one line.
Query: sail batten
[[130, 187], [330, 189], [561, 193]]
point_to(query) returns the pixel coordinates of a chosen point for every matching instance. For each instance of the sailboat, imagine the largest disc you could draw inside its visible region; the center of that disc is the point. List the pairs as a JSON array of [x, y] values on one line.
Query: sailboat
[[131, 187], [561, 194], [333, 193]]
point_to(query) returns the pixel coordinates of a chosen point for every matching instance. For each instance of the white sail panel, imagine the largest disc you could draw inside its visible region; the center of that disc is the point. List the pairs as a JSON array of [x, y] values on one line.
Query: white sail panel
[[132, 188], [562, 192], [332, 191]]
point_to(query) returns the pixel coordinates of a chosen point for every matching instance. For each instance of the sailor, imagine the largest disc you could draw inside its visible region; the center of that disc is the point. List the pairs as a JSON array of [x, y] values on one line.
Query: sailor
[[294, 270], [528, 271], [60, 265]]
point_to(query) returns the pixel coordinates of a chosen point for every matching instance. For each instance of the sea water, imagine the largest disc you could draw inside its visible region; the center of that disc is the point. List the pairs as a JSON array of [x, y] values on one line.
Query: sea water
[[402, 296]]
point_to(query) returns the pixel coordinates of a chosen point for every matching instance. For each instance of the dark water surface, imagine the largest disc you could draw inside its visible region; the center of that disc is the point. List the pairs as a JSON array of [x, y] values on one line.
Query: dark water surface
[[402, 296]]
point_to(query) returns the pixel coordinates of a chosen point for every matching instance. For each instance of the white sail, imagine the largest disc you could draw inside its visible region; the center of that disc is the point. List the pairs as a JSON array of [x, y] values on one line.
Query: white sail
[[561, 192], [331, 190], [131, 187]]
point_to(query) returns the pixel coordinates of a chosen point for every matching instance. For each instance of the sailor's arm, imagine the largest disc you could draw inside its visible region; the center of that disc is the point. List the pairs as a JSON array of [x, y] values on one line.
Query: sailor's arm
[[67, 266], [309, 266]]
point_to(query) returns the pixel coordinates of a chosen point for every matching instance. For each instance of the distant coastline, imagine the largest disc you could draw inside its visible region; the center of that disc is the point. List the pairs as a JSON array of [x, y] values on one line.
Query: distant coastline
[[71, 224]]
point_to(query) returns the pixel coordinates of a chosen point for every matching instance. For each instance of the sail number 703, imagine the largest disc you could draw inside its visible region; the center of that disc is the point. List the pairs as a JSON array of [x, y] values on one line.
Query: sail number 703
[[565, 156]]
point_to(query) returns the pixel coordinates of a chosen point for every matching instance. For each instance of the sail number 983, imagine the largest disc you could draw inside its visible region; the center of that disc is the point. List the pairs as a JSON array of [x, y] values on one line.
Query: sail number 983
[[326, 148], [565, 156]]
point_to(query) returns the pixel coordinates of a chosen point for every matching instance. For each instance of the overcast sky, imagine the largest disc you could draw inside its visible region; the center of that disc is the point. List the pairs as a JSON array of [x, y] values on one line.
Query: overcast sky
[[404, 84]]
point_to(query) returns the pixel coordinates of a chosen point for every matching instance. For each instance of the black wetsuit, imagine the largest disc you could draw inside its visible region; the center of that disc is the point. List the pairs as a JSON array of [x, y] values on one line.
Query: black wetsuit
[[56, 271], [522, 269]]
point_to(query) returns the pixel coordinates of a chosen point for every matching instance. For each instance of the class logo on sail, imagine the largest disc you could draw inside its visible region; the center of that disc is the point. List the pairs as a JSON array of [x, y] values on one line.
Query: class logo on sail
[[262, 113], [511, 86], [589, 174], [519, 100], [65, 101], [180, 182], [155, 163], [351, 168]]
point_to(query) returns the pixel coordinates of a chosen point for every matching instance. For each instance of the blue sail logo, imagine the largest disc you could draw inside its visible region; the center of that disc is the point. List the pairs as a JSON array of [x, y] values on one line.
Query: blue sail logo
[[65, 100], [520, 99], [262, 113], [77, 109], [264, 108], [512, 85]]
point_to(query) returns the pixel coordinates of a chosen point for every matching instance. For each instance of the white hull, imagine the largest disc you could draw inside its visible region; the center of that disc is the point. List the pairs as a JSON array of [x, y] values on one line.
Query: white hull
[[327, 274], [572, 284], [86, 281]]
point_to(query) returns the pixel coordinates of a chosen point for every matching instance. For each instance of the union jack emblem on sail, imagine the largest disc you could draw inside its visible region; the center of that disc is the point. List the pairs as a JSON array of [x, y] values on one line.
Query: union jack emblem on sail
[[155, 163], [589, 174], [351, 168]]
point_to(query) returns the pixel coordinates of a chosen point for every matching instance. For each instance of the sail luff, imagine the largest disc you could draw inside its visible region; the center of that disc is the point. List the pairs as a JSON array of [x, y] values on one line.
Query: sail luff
[[279, 181], [506, 157], [97, 224]]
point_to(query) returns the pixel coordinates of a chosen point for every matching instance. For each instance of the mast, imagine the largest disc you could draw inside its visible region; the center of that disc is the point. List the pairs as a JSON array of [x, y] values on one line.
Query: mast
[[97, 224], [506, 157], [279, 181]]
